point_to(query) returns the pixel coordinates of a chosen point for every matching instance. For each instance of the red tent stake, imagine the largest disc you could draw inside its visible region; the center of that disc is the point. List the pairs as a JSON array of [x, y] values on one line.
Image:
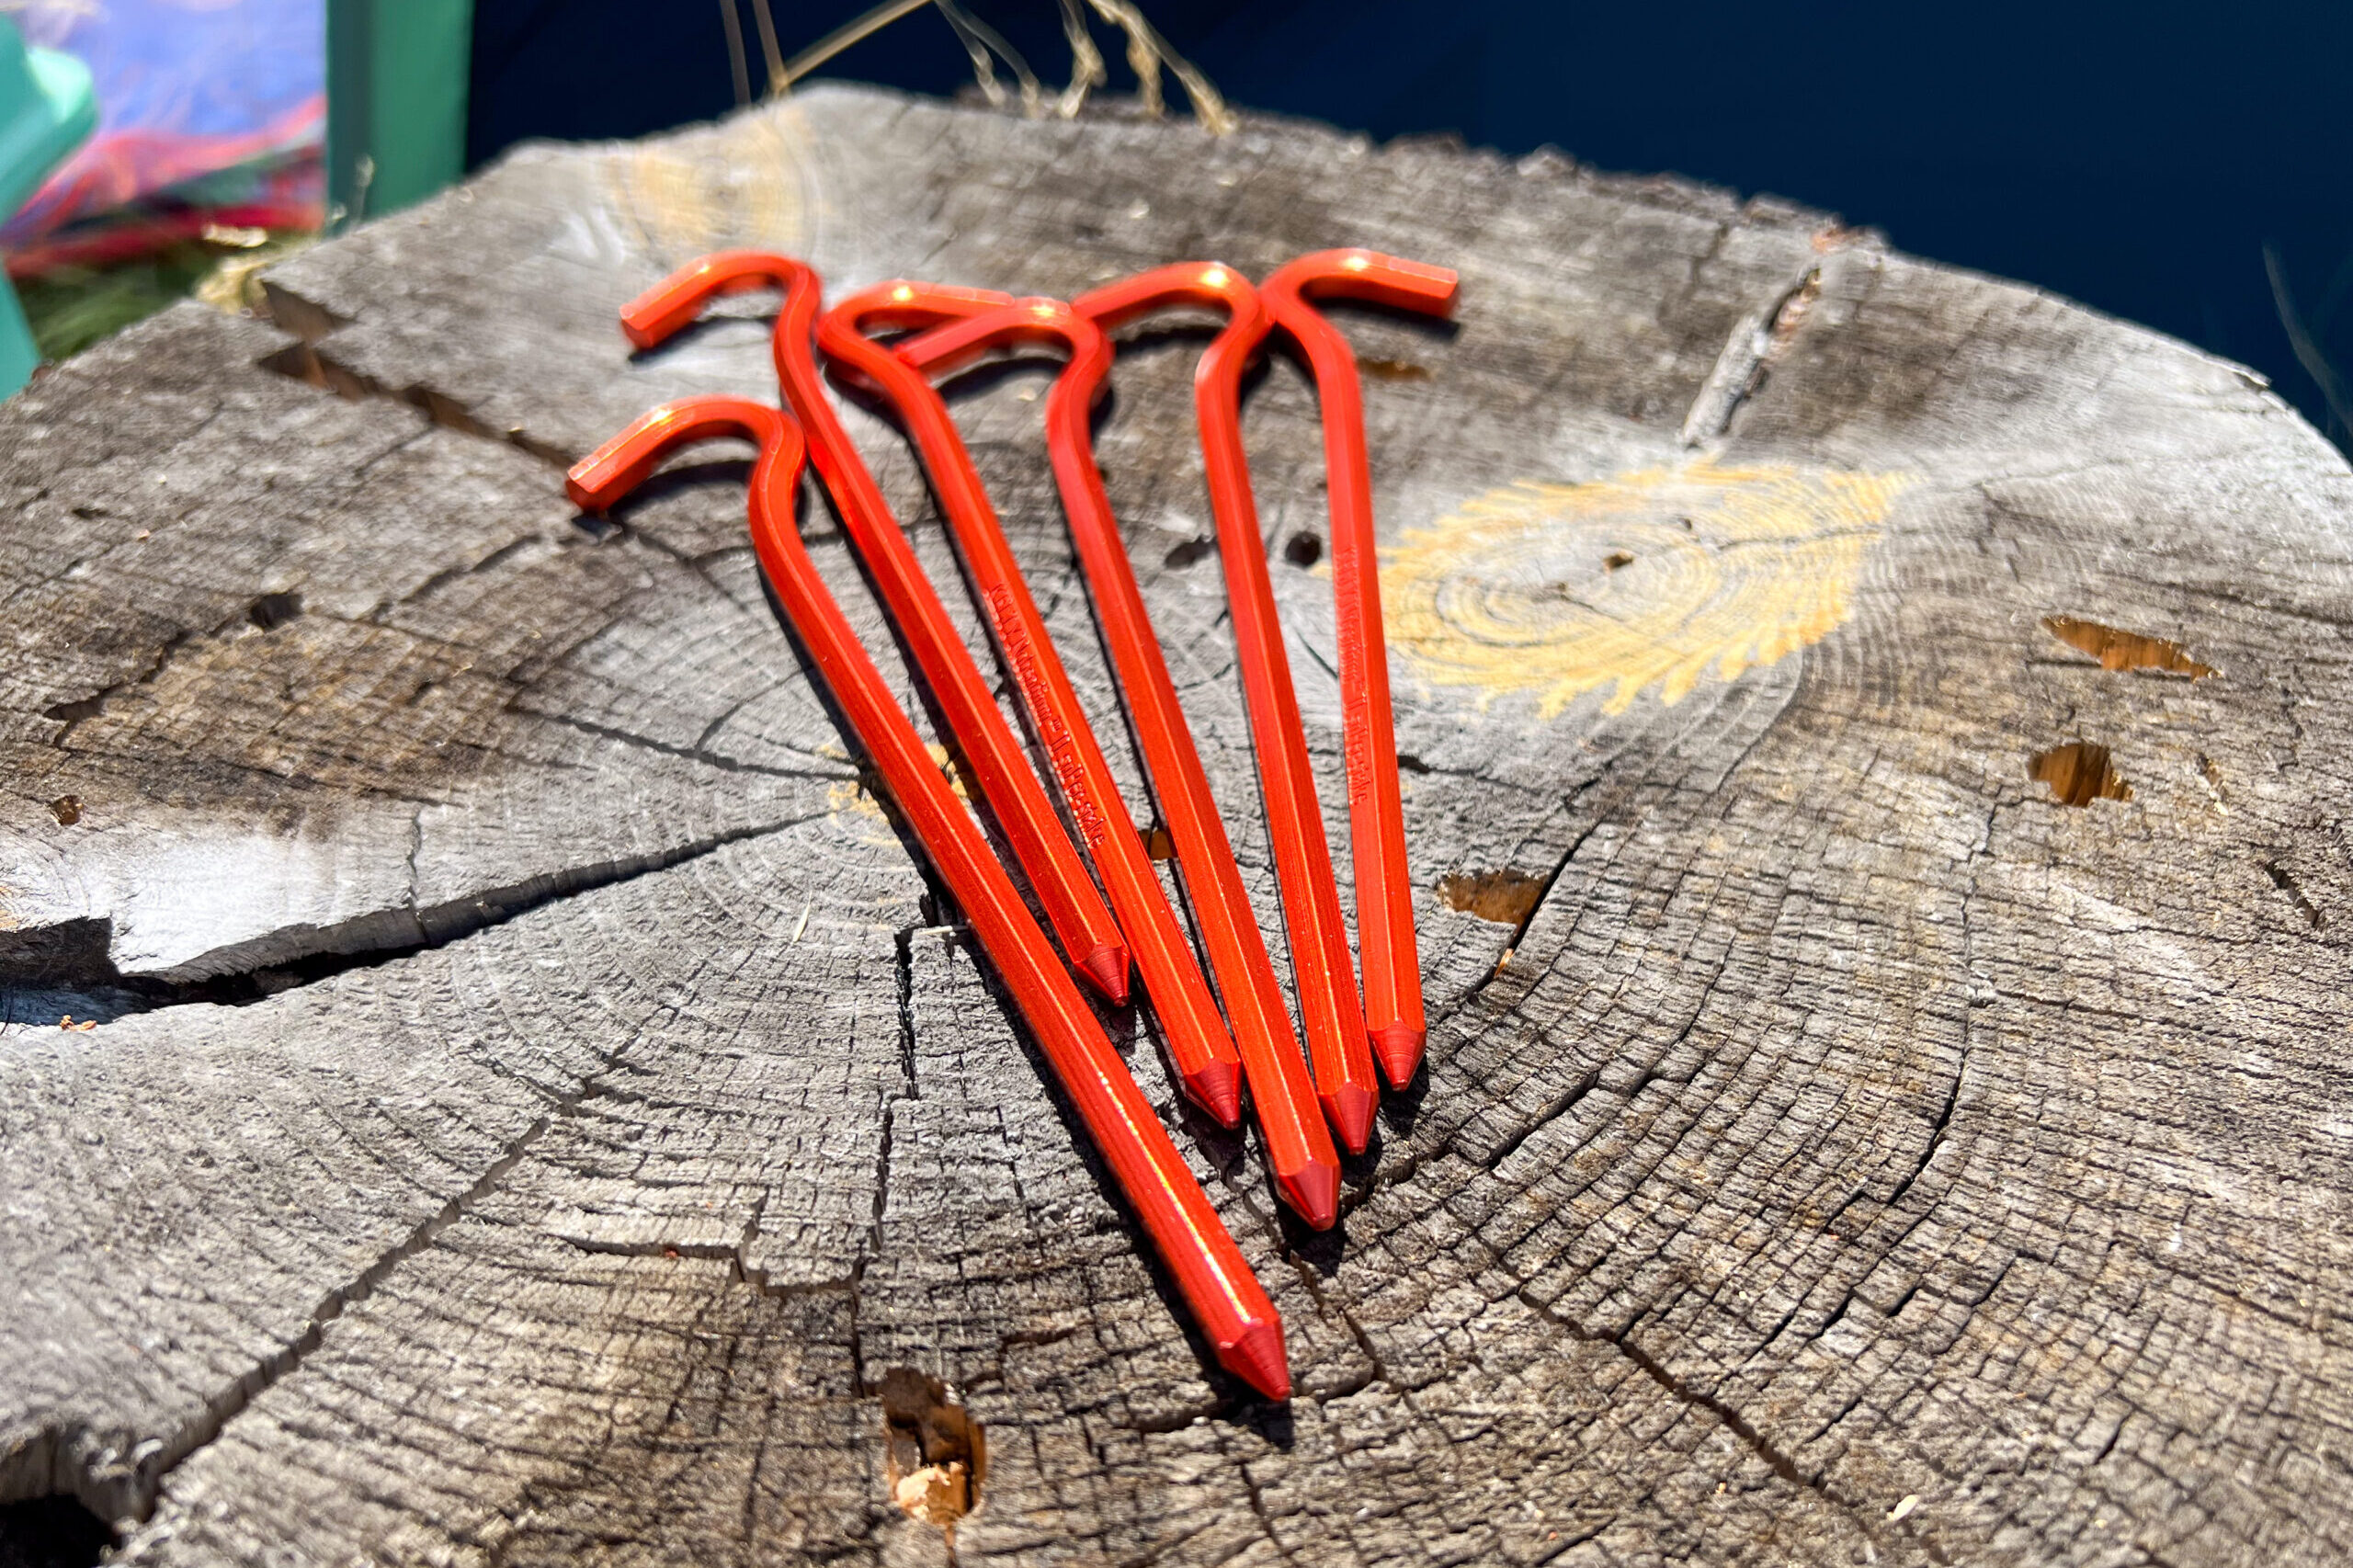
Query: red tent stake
[[1392, 970], [1197, 1036], [1306, 1168], [1007, 781], [1330, 1011], [1194, 1244]]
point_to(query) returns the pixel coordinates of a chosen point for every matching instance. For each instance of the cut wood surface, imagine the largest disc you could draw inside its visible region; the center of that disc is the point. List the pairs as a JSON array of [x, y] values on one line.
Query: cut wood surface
[[538, 1110]]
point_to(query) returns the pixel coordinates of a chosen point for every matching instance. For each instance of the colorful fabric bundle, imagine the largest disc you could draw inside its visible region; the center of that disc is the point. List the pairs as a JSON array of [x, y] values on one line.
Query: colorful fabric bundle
[[212, 112]]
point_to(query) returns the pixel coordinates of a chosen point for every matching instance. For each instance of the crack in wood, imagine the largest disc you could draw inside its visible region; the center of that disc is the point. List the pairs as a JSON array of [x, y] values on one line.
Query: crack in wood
[[1560, 1106], [2119, 650], [696, 753], [300, 956], [304, 360], [131, 1491], [2286, 884], [1781, 1464], [73, 712]]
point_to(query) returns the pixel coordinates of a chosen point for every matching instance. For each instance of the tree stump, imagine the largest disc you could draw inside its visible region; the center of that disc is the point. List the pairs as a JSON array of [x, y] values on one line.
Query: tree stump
[[1874, 743]]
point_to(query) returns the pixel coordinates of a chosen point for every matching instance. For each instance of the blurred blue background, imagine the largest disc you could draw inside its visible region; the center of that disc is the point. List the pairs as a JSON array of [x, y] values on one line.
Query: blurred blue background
[[2137, 158]]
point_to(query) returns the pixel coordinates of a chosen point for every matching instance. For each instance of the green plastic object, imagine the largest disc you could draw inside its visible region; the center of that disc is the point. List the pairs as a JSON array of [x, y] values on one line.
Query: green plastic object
[[47, 108], [396, 103]]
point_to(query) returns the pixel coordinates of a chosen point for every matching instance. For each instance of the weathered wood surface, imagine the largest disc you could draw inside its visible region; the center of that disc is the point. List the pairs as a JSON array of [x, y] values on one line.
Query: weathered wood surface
[[537, 1107]]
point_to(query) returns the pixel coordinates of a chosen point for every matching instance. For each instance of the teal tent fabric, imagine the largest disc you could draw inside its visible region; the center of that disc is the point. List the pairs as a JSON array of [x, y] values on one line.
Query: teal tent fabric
[[48, 107]]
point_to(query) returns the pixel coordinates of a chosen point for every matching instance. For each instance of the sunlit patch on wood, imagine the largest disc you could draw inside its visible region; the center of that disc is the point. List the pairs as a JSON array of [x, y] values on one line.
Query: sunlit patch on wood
[[684, 202], [2079, 773], [1505, 897], [1652, 578], [2117, 650]]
